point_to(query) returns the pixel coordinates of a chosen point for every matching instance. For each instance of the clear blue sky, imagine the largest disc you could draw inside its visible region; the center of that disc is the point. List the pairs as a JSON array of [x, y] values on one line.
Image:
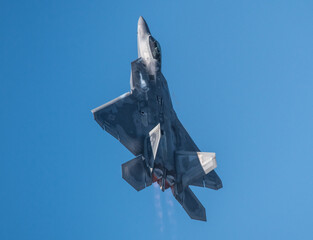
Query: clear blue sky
[[241, 78]]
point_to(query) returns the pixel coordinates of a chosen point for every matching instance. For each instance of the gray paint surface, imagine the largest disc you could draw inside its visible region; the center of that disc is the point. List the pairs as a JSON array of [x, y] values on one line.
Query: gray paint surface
[[144, 121]]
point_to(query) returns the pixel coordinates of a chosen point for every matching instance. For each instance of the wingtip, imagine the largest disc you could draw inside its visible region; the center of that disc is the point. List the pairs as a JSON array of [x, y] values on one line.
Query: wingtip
[[219, 186], [93, 111]]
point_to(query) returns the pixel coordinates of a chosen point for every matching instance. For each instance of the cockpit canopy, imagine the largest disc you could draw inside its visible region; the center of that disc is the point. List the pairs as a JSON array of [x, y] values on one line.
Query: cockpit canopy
[[155, 48]]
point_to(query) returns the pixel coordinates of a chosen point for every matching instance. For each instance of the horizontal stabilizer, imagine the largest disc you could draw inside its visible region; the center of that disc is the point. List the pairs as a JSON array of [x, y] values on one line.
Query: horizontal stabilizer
[[191, 204], [136, 173]]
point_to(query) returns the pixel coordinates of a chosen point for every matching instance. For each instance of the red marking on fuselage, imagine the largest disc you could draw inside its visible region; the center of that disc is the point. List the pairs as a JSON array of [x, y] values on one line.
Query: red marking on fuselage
[[154, 178], [159, 181]]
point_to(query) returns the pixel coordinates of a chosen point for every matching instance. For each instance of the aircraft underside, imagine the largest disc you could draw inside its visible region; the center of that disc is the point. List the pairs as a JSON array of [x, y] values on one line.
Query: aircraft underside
[[145, 122]]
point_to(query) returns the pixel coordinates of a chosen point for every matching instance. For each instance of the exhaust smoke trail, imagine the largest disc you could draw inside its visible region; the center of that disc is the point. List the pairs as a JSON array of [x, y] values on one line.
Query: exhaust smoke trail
[[158, 206], [165, 211], [170, 213]]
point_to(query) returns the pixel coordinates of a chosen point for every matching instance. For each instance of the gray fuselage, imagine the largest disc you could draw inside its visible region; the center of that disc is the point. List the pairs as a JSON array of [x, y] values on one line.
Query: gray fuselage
[[144, 121], [155, 98]]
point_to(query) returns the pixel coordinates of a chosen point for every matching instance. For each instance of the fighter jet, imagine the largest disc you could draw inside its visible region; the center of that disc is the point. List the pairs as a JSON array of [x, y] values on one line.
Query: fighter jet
[[144, 121]]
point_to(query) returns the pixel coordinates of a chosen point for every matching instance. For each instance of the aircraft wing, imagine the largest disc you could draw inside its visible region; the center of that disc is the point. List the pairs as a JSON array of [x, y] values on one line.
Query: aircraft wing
[[185, 141], [210, 180], [118, 117]]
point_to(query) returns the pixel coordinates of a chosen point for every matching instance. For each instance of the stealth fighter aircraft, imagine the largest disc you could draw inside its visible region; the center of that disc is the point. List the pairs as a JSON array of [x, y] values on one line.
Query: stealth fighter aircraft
[[144, 121]]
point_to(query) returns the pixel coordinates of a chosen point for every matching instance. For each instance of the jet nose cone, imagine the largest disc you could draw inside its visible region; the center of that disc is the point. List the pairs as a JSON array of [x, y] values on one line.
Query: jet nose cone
[[142, 26]]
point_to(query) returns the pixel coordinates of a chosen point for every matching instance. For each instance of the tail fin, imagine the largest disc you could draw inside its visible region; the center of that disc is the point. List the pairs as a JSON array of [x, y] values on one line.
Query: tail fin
[[152, 142], [191, 204], [136, 173], [155, 136]]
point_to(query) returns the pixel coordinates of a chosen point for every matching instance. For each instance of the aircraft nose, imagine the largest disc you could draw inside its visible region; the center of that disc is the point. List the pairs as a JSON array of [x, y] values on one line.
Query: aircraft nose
[[142, 26]]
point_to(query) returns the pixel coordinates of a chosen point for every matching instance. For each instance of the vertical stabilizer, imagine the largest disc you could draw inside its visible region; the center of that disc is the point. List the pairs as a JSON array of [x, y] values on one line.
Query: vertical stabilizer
[[155, 136]]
